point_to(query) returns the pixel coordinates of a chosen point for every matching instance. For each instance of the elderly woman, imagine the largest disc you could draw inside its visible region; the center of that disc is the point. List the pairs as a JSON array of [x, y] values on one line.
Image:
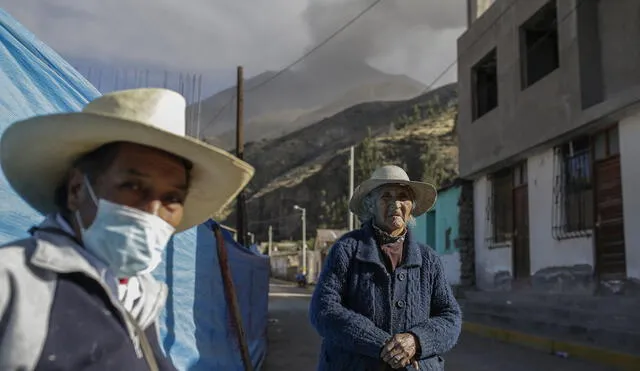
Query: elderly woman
[[382, 301]]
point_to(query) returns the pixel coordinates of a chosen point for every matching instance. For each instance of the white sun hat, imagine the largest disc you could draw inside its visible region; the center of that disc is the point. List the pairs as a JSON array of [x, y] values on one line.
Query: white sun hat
[[425, 194], [37, 153]]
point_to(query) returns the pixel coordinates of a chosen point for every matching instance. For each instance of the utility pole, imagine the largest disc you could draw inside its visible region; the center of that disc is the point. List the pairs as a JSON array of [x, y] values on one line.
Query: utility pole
[[304, 241], [351, 181], [199, 112], [270, 239], [240, 224], [304, 237]]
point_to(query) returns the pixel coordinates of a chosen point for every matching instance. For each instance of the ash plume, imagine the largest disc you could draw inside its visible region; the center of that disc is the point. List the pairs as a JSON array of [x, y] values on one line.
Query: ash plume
[[401, 33]]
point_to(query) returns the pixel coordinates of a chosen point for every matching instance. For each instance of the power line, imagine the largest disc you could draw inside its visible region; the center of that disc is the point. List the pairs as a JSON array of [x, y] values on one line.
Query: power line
[[333, 35], [430, 85], [303, 57], [346, 25], [363, 12], [450, 66], [219, 112]]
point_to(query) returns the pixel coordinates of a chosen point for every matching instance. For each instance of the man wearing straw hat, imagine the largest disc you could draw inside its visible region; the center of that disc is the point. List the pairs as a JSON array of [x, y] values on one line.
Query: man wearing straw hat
[[115, 182], [382, 301]]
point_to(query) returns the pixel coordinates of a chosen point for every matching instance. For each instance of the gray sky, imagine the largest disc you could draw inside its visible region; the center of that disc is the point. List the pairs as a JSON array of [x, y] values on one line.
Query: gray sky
[[413, 37]]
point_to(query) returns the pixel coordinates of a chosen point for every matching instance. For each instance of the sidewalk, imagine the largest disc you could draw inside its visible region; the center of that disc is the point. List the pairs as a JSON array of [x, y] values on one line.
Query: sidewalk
[[595, 328], [621, 361]]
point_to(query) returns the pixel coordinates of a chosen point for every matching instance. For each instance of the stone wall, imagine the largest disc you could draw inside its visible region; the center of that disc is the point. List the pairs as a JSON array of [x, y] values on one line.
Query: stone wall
[[465, 241]]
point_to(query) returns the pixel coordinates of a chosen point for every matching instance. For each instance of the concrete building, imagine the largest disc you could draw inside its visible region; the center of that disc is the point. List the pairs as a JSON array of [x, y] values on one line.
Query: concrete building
[[549, 117]]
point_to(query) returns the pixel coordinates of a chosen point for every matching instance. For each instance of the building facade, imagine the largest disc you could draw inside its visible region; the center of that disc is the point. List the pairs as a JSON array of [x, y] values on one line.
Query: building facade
[[439, 229], [549, 111]]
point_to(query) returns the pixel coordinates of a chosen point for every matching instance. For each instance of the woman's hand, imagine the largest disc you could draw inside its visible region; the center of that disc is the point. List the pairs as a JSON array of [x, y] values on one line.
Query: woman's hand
[[400, 350]]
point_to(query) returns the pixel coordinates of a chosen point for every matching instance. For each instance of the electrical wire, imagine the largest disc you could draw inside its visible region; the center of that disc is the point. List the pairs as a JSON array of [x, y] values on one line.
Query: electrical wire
[[531, 49], [300, 59]]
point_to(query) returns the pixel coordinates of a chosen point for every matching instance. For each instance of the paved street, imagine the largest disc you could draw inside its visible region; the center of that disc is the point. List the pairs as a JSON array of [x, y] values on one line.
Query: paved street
[[294, 345]]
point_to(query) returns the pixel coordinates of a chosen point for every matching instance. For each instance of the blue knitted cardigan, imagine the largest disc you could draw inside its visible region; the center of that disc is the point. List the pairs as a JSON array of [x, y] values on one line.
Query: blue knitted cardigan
[[358, 304]]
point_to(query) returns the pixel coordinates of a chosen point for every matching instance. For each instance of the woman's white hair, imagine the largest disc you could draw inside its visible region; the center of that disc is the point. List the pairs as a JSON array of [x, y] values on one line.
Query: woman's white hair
[[368, 209]]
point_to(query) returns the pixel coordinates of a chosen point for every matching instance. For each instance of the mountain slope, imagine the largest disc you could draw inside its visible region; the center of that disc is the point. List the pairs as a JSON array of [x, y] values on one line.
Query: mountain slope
[[275, 157], [296, 99], [309, 166]]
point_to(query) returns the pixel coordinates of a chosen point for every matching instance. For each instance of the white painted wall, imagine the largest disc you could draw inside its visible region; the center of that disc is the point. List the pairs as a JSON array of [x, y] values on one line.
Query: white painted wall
[[629, 131], [451, 265], [545, 251], [488, 261]]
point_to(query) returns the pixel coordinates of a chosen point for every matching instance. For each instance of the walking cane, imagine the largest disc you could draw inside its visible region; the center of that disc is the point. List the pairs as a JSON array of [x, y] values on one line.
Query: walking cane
[[232, 299]]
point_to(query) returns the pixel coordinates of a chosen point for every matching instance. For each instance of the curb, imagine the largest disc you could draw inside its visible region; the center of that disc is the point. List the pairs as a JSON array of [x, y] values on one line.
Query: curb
[[624, 361]]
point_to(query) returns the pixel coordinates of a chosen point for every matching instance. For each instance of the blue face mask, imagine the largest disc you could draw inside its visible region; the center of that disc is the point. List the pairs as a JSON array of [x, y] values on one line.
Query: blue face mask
[[128, 240]]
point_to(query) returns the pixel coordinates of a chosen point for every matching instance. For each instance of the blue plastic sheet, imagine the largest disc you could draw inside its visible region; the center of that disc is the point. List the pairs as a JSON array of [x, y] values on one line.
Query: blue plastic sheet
[[196, 331], [34, 80], [196, 328]]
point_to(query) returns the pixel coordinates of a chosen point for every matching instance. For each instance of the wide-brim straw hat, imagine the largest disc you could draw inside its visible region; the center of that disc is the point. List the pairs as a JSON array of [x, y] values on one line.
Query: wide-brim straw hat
[[37, 153], [425, 194]]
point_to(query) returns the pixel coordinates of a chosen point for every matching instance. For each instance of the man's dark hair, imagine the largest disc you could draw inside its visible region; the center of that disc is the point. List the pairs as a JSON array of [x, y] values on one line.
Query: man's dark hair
[[94, 163]]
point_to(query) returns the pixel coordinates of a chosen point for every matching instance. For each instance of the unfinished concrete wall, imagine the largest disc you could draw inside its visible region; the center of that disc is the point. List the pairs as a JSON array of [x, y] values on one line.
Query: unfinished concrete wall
[[598, 55]]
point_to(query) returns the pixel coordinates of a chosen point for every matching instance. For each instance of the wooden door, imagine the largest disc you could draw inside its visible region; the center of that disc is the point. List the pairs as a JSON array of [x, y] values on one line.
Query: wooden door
[[609, 223], [521, 259], [609, 219]]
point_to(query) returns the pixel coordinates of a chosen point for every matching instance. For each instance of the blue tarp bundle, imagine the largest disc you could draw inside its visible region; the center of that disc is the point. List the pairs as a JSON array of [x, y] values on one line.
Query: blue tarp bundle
[[34, 80], [196, 331]]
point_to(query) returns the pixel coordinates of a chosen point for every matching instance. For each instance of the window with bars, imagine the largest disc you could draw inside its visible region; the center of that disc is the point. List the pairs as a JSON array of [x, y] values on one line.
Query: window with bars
[[573, 190], [500, 207]]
